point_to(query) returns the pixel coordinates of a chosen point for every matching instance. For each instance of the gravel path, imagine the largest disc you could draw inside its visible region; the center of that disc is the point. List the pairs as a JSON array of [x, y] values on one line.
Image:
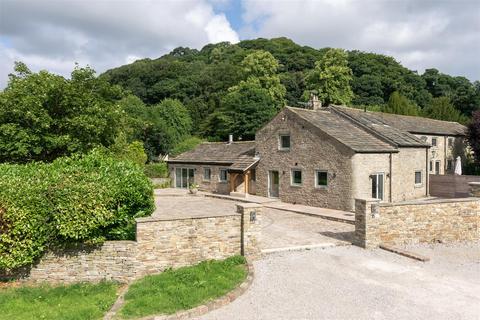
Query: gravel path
[[352, 283]]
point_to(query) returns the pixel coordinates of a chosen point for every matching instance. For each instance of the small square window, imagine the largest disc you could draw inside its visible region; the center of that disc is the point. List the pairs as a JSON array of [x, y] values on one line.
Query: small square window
[[418, 177], [207, 174], [284, 142], [434, 142], [321, 179], [223, 175], [296, 177]]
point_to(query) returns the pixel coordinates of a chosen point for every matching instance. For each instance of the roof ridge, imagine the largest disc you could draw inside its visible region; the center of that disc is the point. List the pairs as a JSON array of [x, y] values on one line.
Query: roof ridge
[[395, 114]]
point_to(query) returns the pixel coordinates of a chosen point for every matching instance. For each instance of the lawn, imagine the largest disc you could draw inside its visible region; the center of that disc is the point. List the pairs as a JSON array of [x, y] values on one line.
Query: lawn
[[183, 288], [66, 302]]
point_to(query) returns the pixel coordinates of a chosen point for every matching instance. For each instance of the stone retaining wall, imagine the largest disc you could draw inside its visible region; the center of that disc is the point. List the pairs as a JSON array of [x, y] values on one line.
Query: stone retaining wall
[[416, 221], [161, 243]]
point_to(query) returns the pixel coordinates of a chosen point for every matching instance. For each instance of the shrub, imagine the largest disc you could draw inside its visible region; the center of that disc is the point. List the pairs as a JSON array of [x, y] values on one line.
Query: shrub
[[85, 199], [156, 170]]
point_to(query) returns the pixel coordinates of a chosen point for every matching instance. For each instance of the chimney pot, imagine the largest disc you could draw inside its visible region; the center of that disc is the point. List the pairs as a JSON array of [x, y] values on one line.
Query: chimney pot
[[315, 104]]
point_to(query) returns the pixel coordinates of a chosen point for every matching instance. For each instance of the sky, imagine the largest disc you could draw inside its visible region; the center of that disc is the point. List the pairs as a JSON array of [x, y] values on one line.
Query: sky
[[54, 34]]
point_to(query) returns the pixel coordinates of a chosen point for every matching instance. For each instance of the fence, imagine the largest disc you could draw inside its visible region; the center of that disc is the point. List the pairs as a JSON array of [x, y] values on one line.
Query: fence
[[451, 186]]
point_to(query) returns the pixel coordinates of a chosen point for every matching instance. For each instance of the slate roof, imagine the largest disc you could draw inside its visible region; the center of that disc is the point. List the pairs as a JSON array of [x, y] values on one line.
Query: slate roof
[[378, 126], [239, 155], [343, 130], [409, 124]]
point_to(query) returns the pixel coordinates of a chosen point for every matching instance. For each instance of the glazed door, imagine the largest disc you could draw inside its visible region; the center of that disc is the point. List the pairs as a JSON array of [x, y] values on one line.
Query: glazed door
[[273, 184], [184, 177]]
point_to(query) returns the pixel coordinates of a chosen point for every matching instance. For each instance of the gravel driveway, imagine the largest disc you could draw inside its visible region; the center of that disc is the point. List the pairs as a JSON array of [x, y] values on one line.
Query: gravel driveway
[[352, 283]]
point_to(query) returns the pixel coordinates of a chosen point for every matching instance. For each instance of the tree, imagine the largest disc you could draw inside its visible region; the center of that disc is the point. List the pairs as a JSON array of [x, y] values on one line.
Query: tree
[[44, 116], [260, 68], [160, 127], [442, 109], [331, 77], [474, 135], [398, 104], [247, 106]]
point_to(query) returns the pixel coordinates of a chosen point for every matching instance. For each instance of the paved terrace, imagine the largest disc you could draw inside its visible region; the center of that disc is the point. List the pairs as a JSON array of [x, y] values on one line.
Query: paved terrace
[[281, 229]]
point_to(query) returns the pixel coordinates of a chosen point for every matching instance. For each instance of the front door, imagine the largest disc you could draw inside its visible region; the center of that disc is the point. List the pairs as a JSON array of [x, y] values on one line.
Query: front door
[[273, 184], [184, 177]]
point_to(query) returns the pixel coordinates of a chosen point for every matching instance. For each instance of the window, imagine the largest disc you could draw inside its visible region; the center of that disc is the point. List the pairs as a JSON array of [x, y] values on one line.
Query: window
[[296, 177], [184, 177], [437, 167], [418, 177], [434, 142], [207, 174], [449, 164], [284, 142], [377, 186], [431, 165], [223, 175], [321, 179], [450, 142]]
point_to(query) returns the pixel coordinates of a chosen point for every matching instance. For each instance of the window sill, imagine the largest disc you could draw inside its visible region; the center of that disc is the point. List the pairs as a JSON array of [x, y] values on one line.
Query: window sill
[[419, 185], [284, 150], [296, 185], [321, 187]]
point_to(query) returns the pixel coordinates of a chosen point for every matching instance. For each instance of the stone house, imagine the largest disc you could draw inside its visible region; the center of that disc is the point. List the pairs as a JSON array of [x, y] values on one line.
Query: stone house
[[328, 157], [216, 167]]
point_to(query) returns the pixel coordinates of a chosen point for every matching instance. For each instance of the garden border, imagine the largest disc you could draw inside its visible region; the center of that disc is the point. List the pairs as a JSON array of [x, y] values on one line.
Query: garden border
[[213, 304]]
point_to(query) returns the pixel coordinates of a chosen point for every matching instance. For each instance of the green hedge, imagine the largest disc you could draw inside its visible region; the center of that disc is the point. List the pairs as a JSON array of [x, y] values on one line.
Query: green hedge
[[156, 170], [85, 199]]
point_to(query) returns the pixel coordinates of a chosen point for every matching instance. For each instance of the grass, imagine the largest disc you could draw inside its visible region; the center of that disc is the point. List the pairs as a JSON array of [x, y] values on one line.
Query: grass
[[183, 288], [66, 302]]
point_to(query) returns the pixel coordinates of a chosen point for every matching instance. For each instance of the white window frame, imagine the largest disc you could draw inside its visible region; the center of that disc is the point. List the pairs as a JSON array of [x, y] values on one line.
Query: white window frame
[[383, 184], [280, 146], [418, 184], [292, 183], [316, 179], [209, 174], [220, 175]]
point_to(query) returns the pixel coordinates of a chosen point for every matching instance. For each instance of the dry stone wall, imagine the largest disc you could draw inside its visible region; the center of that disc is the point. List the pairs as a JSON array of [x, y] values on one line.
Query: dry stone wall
[[418, 221], [160, 244]]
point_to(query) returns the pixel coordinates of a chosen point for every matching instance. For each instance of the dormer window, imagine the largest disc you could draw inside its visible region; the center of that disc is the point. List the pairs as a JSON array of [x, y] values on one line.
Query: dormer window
[[284, 142]]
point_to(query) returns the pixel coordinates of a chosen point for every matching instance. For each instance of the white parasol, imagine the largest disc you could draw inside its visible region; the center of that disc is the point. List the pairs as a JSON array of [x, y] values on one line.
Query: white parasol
[[458, 166]]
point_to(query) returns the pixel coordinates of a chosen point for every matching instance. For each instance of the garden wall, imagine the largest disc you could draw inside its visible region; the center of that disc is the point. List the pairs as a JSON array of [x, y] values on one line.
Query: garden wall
[[161, 243], [451, 186], [445, 220]]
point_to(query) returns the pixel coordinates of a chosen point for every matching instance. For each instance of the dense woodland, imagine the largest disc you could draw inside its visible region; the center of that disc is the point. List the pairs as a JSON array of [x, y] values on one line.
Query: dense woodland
[[172, 103]]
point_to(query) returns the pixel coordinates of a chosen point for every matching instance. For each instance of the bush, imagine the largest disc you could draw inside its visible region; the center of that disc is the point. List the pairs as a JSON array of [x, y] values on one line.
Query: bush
[[156, 170], [85, 199]]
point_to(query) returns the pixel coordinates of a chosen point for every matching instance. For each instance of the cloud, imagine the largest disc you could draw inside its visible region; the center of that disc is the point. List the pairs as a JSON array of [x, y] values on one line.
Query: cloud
[[419, 34], [55, 34]]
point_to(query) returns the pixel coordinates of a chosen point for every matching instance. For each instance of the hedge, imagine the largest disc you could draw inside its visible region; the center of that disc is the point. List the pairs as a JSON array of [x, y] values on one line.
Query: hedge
[[85, 199]]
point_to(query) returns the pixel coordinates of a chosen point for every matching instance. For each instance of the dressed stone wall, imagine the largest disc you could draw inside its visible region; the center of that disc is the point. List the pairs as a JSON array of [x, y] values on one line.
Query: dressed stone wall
[[160, 244], [310, 150], [416, 221]]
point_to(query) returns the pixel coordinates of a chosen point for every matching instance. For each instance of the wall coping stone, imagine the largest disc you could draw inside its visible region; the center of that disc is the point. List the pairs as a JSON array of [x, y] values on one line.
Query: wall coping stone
[[249, 205], [474, 184], [172, 218], [426, 202]]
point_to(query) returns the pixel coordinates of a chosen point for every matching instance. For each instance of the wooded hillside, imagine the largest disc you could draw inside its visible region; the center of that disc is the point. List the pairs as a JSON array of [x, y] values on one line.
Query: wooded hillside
[[201, 80]]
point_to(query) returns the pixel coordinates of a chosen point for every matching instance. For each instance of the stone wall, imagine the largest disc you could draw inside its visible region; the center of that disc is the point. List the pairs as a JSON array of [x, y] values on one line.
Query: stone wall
[[310, 150], [474, 189], [416, 221], [212, 185], [160, 244]]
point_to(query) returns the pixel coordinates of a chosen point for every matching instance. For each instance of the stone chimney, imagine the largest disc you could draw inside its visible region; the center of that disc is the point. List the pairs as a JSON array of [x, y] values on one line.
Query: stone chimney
[[315, 104]]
